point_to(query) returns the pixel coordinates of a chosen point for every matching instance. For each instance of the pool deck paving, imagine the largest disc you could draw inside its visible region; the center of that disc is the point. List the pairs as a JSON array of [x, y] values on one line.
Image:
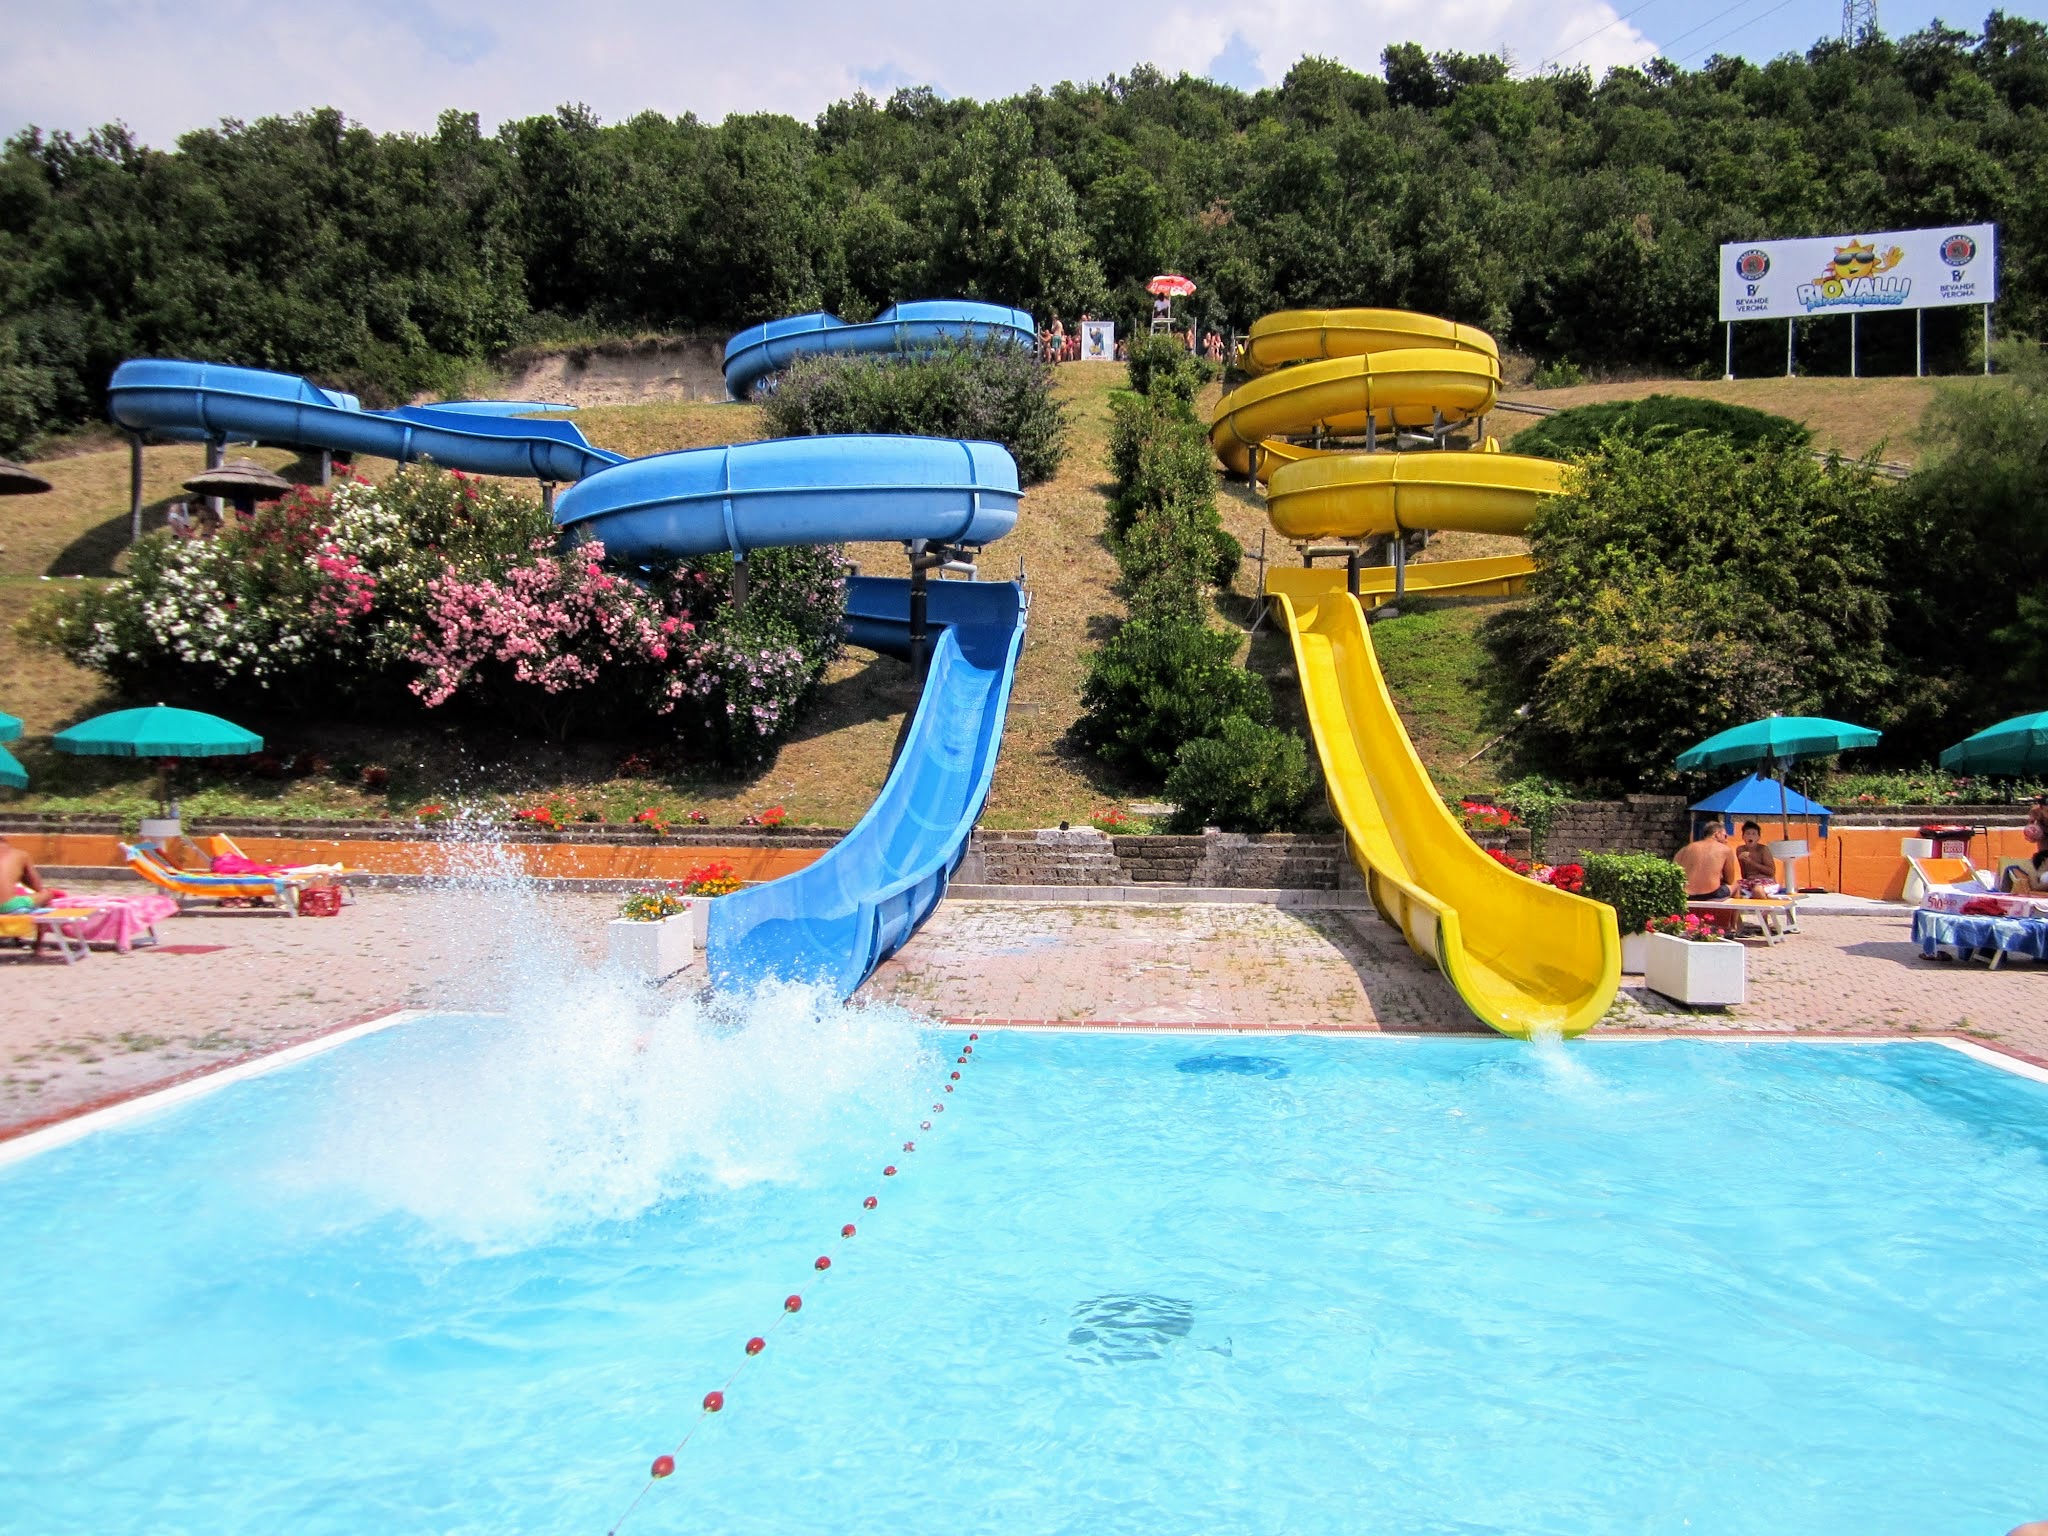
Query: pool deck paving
[[226, 986]]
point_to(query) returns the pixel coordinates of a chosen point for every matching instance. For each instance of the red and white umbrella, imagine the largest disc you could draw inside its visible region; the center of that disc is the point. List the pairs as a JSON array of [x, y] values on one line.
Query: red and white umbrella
[[1171, 285]]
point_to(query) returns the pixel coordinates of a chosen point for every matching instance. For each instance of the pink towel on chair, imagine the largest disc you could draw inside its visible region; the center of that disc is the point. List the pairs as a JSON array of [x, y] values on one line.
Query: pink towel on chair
[[237, 864], [119, 920]]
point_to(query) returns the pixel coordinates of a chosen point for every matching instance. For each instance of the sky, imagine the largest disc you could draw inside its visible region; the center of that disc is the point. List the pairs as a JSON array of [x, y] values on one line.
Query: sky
[[165, 66]]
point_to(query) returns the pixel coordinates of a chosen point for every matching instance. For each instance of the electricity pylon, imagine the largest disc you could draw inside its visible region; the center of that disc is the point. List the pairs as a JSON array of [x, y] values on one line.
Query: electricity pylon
[[1859, 20]]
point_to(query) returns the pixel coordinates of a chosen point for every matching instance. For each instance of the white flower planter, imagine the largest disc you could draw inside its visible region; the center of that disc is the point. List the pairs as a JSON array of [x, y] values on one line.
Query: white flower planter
[[1635, 952], [1698, 975], [653, 951]]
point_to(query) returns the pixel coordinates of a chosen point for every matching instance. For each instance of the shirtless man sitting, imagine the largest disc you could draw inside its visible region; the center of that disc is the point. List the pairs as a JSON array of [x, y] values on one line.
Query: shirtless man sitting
[[1711, 871], [16, 872]]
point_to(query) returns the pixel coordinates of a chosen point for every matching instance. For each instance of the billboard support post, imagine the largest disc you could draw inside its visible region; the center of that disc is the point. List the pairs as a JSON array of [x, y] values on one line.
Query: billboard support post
[[1919, 343], [1728, 350], [1852, 345], [1987, 341], [1788, 347]]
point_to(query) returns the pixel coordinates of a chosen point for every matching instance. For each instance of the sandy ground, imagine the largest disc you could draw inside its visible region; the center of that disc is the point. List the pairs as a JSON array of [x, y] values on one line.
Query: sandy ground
[[227, 985]]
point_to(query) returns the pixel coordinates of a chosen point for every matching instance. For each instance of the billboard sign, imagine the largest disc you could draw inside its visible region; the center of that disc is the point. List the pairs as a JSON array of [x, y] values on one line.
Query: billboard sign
[[1098, 341], [1854, 274]]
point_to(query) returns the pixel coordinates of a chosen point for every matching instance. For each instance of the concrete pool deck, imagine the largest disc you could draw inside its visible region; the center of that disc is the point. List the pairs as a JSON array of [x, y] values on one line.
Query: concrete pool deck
[[227, 986]]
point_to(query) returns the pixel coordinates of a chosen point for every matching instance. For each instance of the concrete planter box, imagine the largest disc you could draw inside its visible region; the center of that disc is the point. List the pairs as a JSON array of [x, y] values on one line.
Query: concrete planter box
[[1698, 975], [1635, 952], [653, 951]]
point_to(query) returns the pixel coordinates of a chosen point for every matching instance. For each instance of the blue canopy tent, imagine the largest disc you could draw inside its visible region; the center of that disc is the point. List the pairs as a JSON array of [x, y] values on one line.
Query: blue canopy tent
[[1754, 797]]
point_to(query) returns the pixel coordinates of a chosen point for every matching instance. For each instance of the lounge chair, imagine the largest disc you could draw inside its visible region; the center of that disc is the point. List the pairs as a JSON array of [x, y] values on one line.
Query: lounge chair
[[1933, 874], [186, 885]]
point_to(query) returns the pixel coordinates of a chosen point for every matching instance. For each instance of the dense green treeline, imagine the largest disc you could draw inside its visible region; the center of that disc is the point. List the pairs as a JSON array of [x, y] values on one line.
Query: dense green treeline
[[1571, 218]]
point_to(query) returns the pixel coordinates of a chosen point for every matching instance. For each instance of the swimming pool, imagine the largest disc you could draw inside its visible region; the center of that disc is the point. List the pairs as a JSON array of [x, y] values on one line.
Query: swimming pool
[[473, 1274]]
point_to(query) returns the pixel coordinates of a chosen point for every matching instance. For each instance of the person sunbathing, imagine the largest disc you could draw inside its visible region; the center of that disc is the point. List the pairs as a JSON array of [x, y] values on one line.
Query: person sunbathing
[[1711, 870], [1759, 869], [17, 875]]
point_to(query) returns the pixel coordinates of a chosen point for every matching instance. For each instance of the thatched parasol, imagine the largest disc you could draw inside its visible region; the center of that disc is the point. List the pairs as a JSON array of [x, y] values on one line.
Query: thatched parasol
[[243, 482], [16, 481]]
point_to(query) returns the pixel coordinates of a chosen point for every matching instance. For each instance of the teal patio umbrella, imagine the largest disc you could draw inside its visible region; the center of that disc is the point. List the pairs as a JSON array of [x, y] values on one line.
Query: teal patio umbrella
[[1777, 739], [2012, 748], [159, 732], [12, 774], [10, 728]]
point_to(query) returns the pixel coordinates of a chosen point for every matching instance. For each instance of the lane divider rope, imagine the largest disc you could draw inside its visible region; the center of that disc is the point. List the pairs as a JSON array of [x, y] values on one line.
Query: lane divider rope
[[713, 1402]]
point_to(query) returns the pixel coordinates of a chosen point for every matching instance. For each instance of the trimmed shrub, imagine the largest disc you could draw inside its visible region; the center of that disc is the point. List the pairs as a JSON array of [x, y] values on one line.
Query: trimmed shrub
[[991, 392], [1167, 362], [1247, 778], [1159, 683], [1655, 420], [1639, 886]]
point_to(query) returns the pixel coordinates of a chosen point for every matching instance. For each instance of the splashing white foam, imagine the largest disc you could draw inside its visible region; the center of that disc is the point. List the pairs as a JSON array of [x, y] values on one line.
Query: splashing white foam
[[590, 1097]]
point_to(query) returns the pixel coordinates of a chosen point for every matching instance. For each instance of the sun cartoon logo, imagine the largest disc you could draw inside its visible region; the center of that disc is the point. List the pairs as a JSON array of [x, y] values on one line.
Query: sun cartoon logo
[[1860, 259]]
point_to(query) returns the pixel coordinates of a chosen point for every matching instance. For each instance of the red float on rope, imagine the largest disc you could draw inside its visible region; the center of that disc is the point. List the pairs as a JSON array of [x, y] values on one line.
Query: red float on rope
[[663, 1466], [868, 1204], [967, 1050], [847, 1230], [949, 1086], [821, 1263], [939, 1108], [713, 1401], [910, 1146], [792, 1303], [889, 1172], [974, 1037], [956, 1077], [756, 1344], [924, 1125]]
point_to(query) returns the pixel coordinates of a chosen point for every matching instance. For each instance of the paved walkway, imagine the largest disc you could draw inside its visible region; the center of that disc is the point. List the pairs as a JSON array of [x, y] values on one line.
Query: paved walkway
[[225, 985], [228, 985], [1258, 967]]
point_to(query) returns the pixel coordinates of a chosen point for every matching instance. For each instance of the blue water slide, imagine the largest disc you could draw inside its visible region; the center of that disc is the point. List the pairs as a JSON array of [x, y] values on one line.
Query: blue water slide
[[760, 350], [198, 402], [835, 921], [796, 490]]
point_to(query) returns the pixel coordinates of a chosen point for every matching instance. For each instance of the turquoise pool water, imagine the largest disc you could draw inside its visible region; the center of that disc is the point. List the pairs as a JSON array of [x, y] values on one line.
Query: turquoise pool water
[[470, 1275]]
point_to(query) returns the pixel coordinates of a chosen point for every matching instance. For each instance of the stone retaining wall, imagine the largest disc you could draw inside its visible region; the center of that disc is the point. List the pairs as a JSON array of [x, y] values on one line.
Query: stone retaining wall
[[1079, 856], [1634, 824]]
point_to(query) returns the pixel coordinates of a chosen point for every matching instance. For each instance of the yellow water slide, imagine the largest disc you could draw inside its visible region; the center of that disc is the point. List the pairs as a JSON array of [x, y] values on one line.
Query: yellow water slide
[[1410, 387], [1526, 958]]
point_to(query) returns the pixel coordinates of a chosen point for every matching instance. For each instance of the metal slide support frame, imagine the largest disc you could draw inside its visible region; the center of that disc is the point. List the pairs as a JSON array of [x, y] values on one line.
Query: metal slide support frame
[[739, 580], [921, 561], [327, 466], [547, 497], [134, 486], [1400, 563]]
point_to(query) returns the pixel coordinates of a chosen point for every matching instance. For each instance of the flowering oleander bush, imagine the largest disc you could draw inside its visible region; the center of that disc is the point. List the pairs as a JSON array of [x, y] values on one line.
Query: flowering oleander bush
[[440, 591]]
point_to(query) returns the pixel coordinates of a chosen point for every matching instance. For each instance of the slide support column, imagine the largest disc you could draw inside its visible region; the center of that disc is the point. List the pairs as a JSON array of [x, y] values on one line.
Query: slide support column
[[1400, 563], [327, 466], [920, 562], [134, 486], [547, 497], [1351, 573], [739, 580]]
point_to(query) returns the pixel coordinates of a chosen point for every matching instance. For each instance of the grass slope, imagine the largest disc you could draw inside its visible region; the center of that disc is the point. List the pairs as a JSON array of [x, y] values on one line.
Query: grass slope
[[830, 771]]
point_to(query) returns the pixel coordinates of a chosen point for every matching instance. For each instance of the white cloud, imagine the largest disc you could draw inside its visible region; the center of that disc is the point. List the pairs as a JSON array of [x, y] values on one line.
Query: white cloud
[[165, 67]]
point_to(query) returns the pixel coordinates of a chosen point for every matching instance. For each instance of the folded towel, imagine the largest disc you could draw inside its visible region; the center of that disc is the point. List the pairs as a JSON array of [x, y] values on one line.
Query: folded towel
[[236, 864]]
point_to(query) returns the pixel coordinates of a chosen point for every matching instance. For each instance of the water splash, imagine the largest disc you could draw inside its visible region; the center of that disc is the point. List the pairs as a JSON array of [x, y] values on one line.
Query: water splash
[[584, 1095]]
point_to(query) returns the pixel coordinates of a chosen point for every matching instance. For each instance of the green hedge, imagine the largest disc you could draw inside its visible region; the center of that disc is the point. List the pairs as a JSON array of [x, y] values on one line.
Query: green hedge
[[994, 392], [1657, 419], [1246, 778], [1639, 886]]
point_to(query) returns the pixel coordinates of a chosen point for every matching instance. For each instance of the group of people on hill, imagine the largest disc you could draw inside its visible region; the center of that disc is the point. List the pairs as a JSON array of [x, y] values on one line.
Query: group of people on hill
[[1057, 344]]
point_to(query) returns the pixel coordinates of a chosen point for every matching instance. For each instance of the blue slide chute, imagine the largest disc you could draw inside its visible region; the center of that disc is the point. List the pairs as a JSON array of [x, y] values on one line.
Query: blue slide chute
[[213, 402], [760, 350], [796, 490], [835, 921]]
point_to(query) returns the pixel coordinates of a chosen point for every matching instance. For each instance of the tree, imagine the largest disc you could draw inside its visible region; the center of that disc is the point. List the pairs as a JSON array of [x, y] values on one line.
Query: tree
[[1690, 587]]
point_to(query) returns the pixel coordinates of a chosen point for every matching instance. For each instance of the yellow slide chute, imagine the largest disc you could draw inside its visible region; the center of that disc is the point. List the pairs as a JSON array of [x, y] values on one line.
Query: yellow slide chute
[[1312, 335], [1526, 958]]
